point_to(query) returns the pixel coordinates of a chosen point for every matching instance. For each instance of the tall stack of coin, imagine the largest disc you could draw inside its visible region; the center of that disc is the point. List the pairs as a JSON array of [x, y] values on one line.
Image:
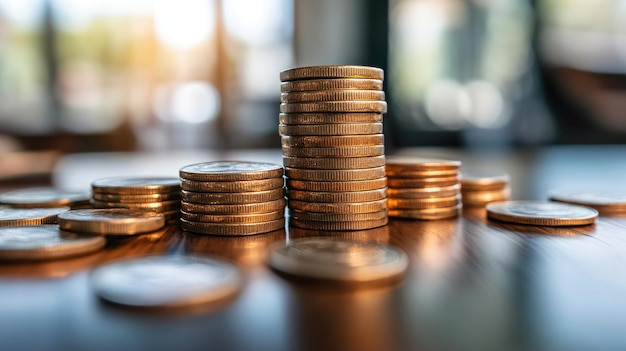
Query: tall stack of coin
[[155, 194], [232, 198], [479, 191], [424, 189], [331, 129]]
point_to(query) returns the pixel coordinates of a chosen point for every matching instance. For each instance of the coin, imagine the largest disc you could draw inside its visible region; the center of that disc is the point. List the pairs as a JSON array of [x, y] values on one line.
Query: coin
[[404, 164], [329, 118], [333, 95], [335, 259], [136, 198], [232, 229], [331, 84], [423, 193], [232, 218], [148, 206], [265, 207], [359, 185], [314, 72], [29, 216], [481, 198], [541, 213], [337, 196], [337, 217], [319, 225], [331, 129], [233, 198], [230, 171], [349, 151], [427, 214], [335, 175], [354, 207], [334, 163], [423, 174], [484, 183], [165, 281], [418, 204], [333, 141], [43, 197], [422, 182], [136, 185], [606, 202], [45, 242], [335, 106], [232, 187], [111, 221]]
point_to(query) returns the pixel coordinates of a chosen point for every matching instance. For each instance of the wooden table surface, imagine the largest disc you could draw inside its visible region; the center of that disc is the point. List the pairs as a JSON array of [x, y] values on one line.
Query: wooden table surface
[[472, 284]]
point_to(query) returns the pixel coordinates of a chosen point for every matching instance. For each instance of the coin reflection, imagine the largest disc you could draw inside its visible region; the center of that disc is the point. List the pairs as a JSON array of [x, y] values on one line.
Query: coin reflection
[[379, 235]]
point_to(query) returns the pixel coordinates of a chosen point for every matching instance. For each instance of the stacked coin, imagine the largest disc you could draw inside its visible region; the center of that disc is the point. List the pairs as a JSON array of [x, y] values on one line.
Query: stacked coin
[[479, 191], [153, 194], [333, 152], [424, 189], [232, 198]]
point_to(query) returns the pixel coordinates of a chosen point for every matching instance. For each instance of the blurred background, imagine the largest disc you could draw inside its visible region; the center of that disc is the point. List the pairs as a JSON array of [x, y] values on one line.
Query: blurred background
[[122, 75]]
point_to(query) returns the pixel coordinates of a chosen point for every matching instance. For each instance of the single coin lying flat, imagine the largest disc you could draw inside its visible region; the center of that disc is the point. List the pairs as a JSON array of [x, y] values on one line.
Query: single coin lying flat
[[541, 213], [45, 242], [43, 197], [165, 281], [29, 216], [230, 171], [111, 221], [339, 260], [605, 202]]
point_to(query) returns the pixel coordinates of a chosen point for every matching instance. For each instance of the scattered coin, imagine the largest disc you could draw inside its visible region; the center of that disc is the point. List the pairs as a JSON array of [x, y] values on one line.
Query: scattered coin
[[232, 187], [111, 221], [541, 213], [233, 198], [45, 242], [331, 129], [333, 140], [337, 196], [165, 281], [315, 72], [329, 118], [335, 107], [29, 216], [331, 84], [136, 185], [328, 175], [339, 260], [44, 197], [606, 202], [230, 171]]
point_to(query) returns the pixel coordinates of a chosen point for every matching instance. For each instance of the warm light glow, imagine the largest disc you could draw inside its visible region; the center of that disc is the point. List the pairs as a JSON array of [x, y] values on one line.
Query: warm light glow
[[190, 102], [184, 25], [448, 104], [258, 22], [487, 105]]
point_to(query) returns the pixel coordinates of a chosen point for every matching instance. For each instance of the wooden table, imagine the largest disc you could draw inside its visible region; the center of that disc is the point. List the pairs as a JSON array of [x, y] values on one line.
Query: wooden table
[[472, 284]]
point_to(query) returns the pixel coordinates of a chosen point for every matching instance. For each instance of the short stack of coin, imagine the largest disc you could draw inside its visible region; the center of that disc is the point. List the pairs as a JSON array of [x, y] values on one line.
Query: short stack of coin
[[479, 191], [232, 198], [333, 148], [424, 189], [154, 194]]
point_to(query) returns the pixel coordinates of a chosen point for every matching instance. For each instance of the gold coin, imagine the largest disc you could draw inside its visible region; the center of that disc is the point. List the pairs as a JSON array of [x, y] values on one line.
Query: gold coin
[[428, 214], [422, 182], [484, 183], [136, 198], [423, 174], [232, 187], [420, 204], [29, 216], [230, 171], [423, 193], [264, 207], [541, 213], [316, 72], [43, 197], [233, 198], [333, 95], [481, 198], [408, 164], [335, 106], [334, 163], [360, 225], [111, 221], [147, 206], [349, 151], [359, 185], [333, 141], [329, 118], [352, 196], [611, 202], [343, 175], [331, 84], [228, 229], [232, 218], [136, 185], [331, 129], [347, 207], [337, 217]]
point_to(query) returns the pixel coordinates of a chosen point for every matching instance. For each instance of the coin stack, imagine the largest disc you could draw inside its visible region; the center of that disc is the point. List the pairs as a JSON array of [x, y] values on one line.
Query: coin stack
[[331, 131], [154, 194], [232, 198], [479, 191], [424, 189]]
